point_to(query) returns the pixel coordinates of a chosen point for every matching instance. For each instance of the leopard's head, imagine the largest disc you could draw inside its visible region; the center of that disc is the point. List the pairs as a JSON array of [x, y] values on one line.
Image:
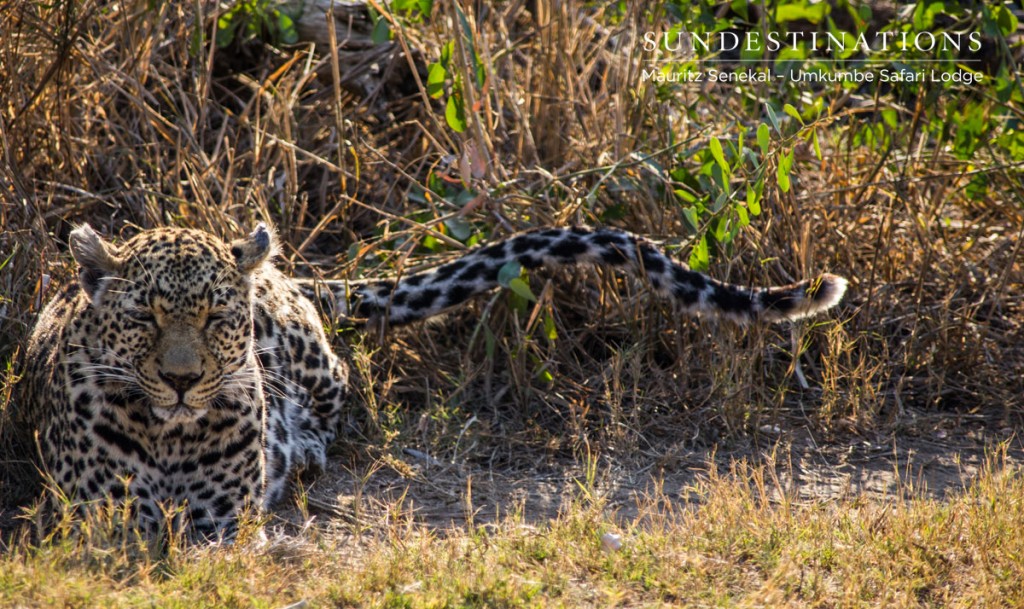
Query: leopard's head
[[173, 314]]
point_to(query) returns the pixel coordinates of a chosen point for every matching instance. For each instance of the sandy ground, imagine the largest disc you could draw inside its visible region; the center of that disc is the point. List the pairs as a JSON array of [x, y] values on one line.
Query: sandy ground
[[930, 460]]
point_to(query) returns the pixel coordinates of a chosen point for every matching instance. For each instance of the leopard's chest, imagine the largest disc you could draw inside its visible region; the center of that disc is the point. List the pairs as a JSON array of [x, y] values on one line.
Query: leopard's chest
[[106, 435]]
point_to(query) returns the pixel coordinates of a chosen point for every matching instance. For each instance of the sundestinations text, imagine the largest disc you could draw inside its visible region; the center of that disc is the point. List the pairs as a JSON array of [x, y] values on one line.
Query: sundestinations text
[[751, 41]]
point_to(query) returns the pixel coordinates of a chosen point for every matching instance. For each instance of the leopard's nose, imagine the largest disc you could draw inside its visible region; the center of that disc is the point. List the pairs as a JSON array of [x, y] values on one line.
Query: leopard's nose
[[180, 382]]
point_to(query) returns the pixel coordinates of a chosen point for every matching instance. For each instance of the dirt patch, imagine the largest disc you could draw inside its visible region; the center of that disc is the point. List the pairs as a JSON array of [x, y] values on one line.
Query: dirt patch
[[934, 464], [931, 460]]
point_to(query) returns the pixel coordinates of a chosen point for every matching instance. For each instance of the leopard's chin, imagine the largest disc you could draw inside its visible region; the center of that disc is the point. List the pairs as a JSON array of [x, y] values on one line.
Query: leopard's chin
[[179, 413]]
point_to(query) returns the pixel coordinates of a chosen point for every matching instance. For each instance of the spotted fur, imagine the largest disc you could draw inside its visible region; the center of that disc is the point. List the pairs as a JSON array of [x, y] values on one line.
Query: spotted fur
[[425, 294], [183, 370]]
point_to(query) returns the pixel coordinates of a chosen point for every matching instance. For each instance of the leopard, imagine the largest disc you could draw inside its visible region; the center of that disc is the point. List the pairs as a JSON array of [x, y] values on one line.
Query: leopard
[[190, 376]]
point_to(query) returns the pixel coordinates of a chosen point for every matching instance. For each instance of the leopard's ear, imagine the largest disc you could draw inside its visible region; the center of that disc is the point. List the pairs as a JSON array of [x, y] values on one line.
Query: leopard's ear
[[253, 250], [97, 260]]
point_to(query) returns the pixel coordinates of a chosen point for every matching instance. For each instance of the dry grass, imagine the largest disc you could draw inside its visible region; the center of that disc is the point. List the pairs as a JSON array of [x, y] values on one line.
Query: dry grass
[[108, 116], [737, 544]]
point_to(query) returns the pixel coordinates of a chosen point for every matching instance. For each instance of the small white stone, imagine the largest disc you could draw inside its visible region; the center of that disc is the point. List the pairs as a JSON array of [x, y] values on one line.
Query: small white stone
[[610, 542]]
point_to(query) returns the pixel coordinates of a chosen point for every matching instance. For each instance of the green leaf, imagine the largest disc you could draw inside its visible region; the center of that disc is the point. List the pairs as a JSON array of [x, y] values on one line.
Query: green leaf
[[716, 151], [423, 7], [740, 8], [720, 202], [381, 32], [772, 117], [446, 53], [744, 219], [691, 219], [431, 243], [801, 11], [459, 228], [782, 172], [509, 271], [762, 138], [1005, 88], [753, 201], [890, 117], [685, 195], [1005, 19], [466, 30], [550, 331], [435, 184], [417, 194], [454, 114], [286, 29], [700, 256], [865, 13], [226, 27], [817, 144], [521, 288], [790, 110], [435, 80], [720, 178], [464, 197], [479, 71], [977, 188], [924, 14], [720, 230]]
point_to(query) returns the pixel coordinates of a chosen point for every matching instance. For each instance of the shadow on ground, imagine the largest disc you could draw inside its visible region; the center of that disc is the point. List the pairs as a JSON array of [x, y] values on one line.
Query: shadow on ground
[[931, 462]]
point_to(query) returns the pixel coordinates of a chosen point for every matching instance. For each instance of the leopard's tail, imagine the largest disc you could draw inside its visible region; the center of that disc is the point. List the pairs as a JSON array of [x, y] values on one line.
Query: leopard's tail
[[422, 295]]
